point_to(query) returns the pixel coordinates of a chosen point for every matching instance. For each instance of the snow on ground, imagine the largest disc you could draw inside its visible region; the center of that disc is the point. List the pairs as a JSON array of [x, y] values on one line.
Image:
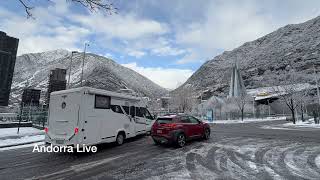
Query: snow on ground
[[9, 136], [250, 158], [246, 120], [14, 123], [24, 131], [22, 146], [307, 125]]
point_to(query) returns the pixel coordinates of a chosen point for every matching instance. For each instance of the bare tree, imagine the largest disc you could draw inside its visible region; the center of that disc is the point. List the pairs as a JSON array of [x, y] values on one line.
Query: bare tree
[[93, 5], [241, 102], [291, 93], [183, 99], [229, 108], [308, 99]]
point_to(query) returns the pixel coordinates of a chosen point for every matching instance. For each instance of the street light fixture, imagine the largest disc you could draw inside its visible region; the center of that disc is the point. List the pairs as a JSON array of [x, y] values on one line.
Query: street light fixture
[[84, 56], [73, 52]]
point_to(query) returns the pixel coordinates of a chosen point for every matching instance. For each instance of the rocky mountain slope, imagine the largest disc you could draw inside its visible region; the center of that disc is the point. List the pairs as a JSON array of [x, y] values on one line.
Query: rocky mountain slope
[[32, 70], [265, 61]]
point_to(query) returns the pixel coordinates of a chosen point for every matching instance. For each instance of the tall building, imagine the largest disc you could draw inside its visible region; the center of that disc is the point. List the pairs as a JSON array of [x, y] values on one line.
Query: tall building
[[8, 54], [31, 97], [236, 83], [57, 82]]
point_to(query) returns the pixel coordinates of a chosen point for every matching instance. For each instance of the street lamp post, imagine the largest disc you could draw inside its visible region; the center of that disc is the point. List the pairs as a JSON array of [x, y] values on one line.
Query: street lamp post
[[73, 52], [253, 109], [84, 56], [269, 107]]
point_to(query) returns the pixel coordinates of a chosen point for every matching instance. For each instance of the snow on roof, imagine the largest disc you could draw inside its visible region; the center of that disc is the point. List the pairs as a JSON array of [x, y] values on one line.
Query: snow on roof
[[274, 91], [97, 91]]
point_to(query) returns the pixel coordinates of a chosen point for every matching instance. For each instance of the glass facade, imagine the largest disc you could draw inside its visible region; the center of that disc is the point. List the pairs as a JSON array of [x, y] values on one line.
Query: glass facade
[[8, 53]]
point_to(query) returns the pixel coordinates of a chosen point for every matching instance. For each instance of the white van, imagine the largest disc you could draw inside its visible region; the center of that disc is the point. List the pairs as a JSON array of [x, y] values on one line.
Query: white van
[[91, 116]]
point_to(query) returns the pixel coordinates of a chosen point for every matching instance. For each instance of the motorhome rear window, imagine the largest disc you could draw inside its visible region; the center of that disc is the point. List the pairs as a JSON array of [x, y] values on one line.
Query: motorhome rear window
[[102, 102]]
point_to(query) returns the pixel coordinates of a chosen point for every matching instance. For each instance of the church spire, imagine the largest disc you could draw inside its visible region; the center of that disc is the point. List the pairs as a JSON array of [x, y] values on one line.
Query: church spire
[[236, 83]]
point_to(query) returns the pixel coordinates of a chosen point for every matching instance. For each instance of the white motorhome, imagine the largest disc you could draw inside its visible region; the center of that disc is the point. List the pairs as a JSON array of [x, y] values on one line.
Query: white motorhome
[[91, 116]]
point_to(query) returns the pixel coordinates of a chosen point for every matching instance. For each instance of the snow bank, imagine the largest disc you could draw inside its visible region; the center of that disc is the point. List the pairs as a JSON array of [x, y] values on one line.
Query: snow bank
[[307, 125], [21, 140], [9, 136], [24, 131], [245, 120]]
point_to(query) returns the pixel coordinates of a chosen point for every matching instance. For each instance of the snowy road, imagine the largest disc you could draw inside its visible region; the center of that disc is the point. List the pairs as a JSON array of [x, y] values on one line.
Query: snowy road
[[235, 151]]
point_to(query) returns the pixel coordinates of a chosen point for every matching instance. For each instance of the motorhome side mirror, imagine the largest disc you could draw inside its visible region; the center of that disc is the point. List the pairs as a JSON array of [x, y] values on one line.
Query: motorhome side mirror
[[155, 116]]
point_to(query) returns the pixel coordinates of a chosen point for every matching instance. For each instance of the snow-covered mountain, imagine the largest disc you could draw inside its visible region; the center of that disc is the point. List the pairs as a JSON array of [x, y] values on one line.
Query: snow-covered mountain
[[32, 70], [265, 60]]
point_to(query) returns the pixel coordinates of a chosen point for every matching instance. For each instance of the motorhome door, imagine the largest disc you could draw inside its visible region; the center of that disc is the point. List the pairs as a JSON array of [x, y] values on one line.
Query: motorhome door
[[130, 125], [140, 120]]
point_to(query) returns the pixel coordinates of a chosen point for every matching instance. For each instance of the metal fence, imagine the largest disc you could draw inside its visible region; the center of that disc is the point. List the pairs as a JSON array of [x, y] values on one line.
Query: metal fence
[[38, 116]]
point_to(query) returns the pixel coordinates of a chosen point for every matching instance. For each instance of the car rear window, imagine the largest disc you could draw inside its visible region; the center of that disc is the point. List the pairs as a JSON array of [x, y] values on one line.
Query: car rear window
[[164, 120]]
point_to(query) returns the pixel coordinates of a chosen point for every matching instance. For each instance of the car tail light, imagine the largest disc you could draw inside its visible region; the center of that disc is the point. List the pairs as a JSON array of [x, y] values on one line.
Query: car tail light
[[76, 130], [171, 126], [46, 129]]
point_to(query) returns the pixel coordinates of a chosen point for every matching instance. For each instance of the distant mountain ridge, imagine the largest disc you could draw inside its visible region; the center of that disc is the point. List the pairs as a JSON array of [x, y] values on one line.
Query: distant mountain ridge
[[32, 70], [294, 46]]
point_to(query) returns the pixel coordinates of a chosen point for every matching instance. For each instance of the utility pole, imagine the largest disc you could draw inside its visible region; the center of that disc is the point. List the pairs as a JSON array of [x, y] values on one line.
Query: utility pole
[[253, 109], [20, 119], [316, 79], [269, 107], [70, 68], [84, 56]]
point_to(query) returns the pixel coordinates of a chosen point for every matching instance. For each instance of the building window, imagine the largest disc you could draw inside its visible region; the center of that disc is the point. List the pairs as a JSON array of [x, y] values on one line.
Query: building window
[[102, 102]]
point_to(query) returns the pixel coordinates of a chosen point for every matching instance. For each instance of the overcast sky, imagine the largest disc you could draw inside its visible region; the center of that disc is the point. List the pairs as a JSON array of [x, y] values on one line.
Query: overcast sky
[[164, 40]]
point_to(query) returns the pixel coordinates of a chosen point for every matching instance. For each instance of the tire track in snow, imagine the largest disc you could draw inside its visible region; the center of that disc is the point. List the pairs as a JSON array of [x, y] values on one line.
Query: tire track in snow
[[255, 158]]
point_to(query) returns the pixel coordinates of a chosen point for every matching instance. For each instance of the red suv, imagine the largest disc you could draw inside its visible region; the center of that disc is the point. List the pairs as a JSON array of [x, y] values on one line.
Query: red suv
[[177, 129]]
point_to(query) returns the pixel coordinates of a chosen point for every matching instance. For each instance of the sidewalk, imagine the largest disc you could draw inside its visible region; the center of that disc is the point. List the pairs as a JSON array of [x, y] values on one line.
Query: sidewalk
[[27, 135]]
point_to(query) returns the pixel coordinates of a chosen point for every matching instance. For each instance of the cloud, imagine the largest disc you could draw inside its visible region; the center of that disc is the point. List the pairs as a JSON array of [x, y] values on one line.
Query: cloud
[[166, 77], [136, 35], [48, 31], [136, 53], [183, 31], [167, 51], [108, 55], [125, 27], [228, 24]]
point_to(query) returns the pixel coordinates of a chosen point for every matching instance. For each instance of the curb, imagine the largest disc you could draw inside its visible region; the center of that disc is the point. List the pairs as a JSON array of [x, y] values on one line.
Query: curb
[[12, 145], [17, 136]]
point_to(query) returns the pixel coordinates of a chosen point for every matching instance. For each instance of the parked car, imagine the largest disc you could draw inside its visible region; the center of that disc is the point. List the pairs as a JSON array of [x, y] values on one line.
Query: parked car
[[177, 129]]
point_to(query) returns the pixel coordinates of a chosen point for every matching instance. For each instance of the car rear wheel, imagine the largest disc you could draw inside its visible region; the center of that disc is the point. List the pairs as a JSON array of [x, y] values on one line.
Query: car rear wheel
[[156, 142], [120, 139], [181, 140], [206, 134]]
